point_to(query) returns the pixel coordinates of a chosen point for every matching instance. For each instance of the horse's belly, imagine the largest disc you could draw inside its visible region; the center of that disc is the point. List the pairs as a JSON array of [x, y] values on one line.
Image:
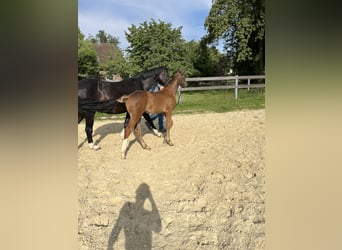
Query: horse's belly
[[118, 108]]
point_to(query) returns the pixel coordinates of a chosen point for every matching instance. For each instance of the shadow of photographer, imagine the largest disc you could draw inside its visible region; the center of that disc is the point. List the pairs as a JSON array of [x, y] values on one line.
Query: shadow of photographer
[[137, 222]]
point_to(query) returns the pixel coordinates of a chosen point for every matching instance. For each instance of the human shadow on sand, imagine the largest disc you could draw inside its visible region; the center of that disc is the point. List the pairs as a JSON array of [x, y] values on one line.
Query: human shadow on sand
[[137, 222]]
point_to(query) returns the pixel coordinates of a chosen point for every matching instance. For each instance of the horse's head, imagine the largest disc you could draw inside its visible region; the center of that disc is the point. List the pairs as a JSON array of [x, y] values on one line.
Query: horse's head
[[163, 76], [150, 77], [180, 76]]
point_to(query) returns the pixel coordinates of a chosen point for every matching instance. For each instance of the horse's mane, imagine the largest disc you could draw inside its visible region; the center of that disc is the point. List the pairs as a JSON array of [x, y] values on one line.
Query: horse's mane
[[150, 72]]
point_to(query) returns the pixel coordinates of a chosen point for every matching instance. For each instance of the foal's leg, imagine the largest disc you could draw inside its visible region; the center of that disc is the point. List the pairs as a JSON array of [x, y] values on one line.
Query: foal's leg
[[125, 125], [150, 122], [169, 124], [89, 131], [137, 131], [128, 130]]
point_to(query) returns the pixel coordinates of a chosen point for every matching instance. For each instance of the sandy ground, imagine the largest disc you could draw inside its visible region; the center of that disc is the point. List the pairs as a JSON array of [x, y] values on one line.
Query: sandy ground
[[205, 192]]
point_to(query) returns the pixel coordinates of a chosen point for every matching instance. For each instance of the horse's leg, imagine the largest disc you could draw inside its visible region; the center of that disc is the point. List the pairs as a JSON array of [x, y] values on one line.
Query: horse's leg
[[125, 125], [89, 131], [150, 122], [137, 132], [80, 117], [127, 132], [169, 124], [128, 117]]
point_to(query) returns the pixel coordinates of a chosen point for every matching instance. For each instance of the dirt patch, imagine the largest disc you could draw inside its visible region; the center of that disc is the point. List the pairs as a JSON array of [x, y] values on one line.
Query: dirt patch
[[205, 192]]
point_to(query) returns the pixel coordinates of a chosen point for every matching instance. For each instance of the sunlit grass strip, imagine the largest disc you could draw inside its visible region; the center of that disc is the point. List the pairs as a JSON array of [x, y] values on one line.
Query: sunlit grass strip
[[211, 101]]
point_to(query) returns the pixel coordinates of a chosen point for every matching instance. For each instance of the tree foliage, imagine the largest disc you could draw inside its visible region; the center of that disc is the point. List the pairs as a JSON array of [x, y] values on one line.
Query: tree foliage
[[109, 55], [117, 65], [209, 60], [103, 37], [154, 44], [241, 24], [87, 57], [151, 44]]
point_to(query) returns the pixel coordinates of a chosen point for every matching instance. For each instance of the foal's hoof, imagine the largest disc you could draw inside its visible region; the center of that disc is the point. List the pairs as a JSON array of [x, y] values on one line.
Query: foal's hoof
[[147, 147], [169, 143], [123, 157]]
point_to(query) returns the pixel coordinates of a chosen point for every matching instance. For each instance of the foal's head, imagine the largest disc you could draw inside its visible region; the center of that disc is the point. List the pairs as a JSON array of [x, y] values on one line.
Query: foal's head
[[179, 76]]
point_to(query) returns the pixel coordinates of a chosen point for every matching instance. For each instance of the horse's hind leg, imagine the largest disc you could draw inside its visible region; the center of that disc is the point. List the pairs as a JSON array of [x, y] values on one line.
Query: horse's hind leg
[[89, 131], [80, 117], [137, 132]]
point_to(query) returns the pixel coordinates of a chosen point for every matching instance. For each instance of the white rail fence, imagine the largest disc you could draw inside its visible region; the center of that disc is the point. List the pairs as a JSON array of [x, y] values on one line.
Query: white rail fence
[[229, 79]]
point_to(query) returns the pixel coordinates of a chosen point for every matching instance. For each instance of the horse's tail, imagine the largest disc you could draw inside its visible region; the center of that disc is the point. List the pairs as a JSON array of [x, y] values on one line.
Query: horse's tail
[[123, 99], [86, 106]]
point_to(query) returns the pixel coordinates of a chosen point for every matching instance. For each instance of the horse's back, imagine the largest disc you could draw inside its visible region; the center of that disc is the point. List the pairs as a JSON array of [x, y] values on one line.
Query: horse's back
[[87, 88], [114, 90], [139, 96], [141, 100]]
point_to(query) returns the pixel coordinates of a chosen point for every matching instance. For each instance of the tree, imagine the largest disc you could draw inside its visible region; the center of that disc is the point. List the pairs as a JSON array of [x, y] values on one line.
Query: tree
[[87, 57], [241, 24], [192, 56], [208, 60], [110, 56], [116, 64], [154, 44], [103, 37]]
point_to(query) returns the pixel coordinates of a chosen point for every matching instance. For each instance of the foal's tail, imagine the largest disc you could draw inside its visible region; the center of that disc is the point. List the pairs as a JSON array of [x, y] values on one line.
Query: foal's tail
[[123, 99]]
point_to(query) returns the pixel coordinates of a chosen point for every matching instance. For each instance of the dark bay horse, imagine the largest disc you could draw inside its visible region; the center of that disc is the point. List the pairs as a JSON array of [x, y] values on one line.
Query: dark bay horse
[[141, 101], [95, 95]]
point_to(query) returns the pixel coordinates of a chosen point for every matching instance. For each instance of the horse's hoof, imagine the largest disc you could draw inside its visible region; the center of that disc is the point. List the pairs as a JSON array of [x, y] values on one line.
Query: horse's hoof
[[147, 147], [123, 157], [169, 143]]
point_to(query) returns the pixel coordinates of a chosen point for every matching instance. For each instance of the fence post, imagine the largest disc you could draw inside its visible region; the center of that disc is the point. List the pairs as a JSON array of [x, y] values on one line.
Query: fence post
[[249, 82], [179, 90], [236, 86]]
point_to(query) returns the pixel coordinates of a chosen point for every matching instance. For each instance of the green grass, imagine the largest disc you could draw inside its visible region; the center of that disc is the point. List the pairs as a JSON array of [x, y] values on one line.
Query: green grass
[[218, 101]]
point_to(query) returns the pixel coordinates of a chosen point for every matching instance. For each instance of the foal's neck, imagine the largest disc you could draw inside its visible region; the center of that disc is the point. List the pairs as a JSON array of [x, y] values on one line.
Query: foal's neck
[[173, 86]]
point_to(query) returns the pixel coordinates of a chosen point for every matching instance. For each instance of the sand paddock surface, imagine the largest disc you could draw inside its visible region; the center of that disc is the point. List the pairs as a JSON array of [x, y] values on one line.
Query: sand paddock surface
[[205, 192]]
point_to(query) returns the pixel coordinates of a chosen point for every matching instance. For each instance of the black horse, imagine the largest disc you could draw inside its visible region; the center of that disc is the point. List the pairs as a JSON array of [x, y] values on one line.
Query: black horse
[[95, 95]]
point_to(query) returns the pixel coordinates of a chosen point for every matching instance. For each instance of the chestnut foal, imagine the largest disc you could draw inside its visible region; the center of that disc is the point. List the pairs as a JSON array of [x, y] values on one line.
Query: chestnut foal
[[140, 101]]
